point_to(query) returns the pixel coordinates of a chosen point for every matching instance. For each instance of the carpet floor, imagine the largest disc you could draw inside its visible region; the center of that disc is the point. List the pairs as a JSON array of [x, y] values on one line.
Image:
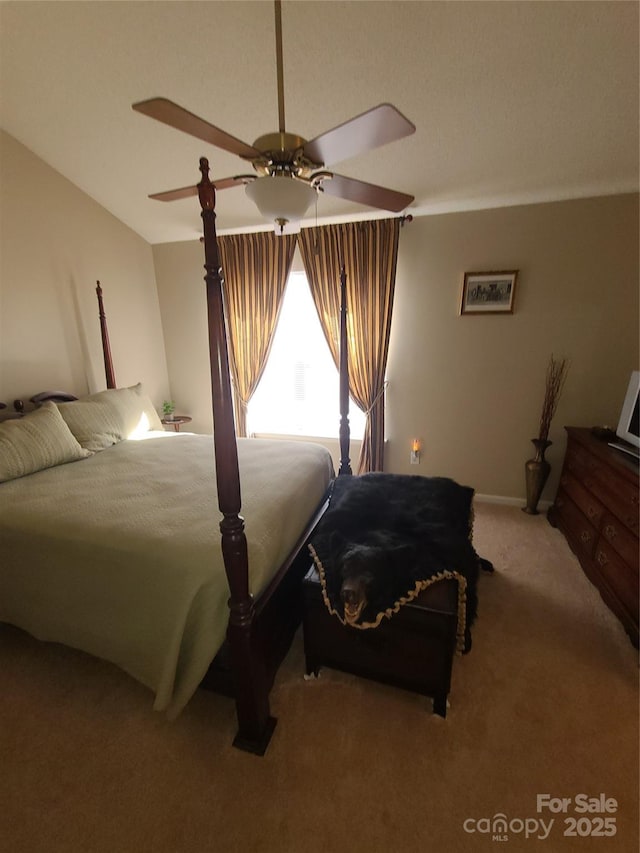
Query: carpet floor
[[546, 703]]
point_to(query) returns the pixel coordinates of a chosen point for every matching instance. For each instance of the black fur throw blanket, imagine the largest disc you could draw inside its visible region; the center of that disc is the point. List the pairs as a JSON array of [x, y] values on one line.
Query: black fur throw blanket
[[386, 537]]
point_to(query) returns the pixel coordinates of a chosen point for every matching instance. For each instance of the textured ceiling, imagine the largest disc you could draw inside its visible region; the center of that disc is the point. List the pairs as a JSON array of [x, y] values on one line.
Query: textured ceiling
[[514, 102]]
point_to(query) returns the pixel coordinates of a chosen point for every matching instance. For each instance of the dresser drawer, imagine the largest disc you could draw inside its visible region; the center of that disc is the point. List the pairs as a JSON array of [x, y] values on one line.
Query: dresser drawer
[[621, 539], [589, 505], [621, 497], [581, 534], [614, 490], [622, 579]]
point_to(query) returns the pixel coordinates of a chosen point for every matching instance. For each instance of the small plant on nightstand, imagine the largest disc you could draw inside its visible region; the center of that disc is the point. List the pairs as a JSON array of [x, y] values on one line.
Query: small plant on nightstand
[[168, 408]]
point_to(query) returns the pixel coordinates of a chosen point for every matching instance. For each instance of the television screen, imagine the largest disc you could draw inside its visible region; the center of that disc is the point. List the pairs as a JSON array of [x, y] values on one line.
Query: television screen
[[634, 427], [629, 423]]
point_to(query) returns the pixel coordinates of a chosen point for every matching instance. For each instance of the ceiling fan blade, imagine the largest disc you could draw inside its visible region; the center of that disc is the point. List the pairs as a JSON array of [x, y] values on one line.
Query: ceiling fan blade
[[187, 192], [175, 195], [176, 116], [369, 194], [376, 127]]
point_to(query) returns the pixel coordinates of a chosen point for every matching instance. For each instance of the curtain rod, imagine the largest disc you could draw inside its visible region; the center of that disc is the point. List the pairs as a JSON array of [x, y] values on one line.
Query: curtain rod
[[407, 217]]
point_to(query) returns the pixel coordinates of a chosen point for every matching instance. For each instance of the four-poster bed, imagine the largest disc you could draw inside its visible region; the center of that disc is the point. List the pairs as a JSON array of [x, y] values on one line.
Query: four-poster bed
[[263, 612]]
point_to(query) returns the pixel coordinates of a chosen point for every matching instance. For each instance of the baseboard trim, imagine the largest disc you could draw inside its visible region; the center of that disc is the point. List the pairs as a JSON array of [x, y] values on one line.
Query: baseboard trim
[[506, 501]]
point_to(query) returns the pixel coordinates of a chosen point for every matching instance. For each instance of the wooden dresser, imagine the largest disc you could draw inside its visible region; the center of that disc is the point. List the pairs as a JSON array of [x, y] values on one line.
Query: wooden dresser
[[597, 510]]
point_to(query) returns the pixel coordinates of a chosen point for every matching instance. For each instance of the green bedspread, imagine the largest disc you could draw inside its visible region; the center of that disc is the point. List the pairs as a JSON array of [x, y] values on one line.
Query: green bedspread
[[119, 554]]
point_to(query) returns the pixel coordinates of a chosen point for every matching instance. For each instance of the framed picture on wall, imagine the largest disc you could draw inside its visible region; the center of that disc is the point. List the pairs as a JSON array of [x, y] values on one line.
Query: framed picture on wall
[[488, 292]]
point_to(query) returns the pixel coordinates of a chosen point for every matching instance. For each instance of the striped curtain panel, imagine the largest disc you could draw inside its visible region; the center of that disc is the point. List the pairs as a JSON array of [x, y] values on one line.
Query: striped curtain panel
[[369, 252], [255, 269]]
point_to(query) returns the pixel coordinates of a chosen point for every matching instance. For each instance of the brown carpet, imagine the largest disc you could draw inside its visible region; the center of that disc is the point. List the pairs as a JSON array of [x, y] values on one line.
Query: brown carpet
[[546, 703]]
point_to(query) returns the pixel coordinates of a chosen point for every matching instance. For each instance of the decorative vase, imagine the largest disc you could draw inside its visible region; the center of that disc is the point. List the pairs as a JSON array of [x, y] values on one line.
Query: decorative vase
[[537, 473]]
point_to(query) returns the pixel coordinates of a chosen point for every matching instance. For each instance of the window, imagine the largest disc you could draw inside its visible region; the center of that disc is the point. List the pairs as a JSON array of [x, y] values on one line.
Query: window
[[299, 390]]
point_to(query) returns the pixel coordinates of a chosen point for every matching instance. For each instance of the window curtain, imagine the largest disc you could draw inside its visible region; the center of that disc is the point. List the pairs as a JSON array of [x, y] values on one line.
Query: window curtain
[[369, 252], [255, 269]]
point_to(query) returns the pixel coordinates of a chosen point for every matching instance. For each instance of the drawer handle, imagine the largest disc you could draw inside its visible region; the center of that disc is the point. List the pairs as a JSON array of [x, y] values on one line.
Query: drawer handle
[[602, 558], [585, 536], [610, 532], [592, 511]]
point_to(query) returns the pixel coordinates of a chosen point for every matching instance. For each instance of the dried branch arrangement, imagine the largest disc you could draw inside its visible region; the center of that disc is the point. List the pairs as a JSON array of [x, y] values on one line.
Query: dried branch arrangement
[[556, 375]]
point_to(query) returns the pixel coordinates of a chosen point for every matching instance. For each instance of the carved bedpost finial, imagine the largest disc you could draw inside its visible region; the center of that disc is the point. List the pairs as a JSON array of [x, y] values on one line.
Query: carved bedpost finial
[[206, 190]]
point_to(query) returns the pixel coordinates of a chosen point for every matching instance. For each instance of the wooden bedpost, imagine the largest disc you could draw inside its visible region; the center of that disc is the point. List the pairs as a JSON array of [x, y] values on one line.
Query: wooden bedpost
[[345, 466], [106, 349], [255, 725]]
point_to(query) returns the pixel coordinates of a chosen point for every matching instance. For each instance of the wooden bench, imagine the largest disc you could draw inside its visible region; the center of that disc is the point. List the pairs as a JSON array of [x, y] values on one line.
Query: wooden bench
[[413, 650]]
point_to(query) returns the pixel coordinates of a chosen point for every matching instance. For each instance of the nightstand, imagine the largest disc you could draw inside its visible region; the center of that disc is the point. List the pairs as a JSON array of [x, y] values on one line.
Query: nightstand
[[176, 421]]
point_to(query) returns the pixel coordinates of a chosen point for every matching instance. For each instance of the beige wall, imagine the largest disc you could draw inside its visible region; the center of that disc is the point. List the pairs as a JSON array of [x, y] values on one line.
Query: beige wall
[[471, 387], [55, 242], [183, 305]]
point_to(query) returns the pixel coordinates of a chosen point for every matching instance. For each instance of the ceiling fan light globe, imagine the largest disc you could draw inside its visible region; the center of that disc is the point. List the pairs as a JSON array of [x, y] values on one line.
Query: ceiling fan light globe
[[281, 197]]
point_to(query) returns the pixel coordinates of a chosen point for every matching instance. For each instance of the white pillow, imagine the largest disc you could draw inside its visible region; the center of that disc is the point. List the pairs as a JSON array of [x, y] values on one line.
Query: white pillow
[[39, 440]]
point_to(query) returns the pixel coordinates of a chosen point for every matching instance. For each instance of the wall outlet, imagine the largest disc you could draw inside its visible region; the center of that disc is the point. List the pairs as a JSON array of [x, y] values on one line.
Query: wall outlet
[[415, 457]]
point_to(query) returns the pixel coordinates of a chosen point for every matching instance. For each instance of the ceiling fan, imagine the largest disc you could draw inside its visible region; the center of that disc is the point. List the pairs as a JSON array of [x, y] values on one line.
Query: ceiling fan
[[289, 170]]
